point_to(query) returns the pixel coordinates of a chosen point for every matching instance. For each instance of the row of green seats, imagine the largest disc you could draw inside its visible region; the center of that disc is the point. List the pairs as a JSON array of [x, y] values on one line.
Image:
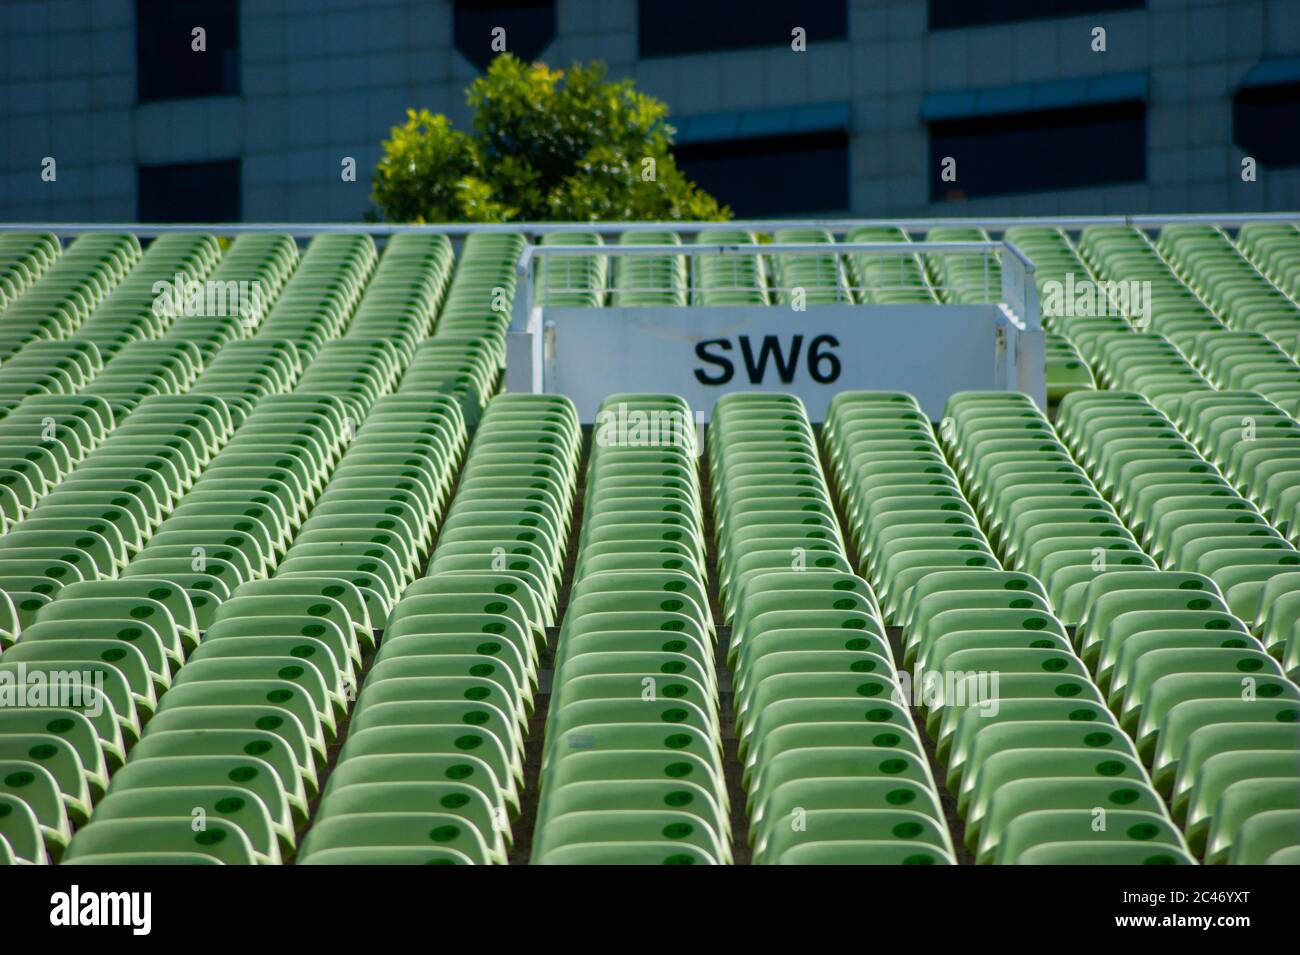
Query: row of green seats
[[146, 369], [235, 522], [58, 367], [45, 438], [169, 438], [646, 280], [125, 491], [467, 353], [229, 755], [371, 522], [482, 291], [138, 340], [265, 351], [730, 278], [166, 285], [97, 517], [130, 325], [1058, 270], [1182, 651], [1256, 447], [514, 498], [572, 280], [56, 304], [405, 292], [963, 278], [1042, 770], [1247, 361], [834, 769], [24, 257], [288, 603], [316, 305], [904, 510], [1180, 669], [464, 368], [1253, 441], [240, 290], [1206, 260], [819, 279], [129, 634], [88, 673], [395, 314], [250, 501], [1274, 249], [131, 468], [632, 760], [1144, 362], [1124, 254], [888, 279], [359, 370], [1187, 512], [410, 716], [168, 367], [1050, 520], [433, 765]]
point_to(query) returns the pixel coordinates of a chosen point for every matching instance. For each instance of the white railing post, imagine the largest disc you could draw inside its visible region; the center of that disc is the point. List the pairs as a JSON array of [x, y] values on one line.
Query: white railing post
[[1026, 345], [524, 369]]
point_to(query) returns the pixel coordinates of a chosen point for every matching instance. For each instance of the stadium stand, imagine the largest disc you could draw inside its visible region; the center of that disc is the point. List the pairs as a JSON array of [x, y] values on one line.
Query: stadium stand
[[290, 577]]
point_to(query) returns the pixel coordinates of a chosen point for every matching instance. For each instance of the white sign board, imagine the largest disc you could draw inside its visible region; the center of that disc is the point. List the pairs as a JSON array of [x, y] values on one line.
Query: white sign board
[[703, 353]]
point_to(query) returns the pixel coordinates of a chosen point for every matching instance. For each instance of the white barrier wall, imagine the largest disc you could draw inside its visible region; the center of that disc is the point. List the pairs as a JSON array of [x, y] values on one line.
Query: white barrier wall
[[702, 353]]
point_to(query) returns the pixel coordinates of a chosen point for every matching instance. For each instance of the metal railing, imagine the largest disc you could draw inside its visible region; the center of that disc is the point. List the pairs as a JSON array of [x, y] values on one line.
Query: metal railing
[[1016, 284], [834, 226]]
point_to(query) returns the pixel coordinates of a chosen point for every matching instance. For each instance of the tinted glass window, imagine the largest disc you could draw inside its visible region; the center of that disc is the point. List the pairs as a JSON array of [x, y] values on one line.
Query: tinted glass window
[[529, 27], [168, 66], [945, 14], [775, 175], [1264, 124], [1040, 151], [189, 192], [674, 27]]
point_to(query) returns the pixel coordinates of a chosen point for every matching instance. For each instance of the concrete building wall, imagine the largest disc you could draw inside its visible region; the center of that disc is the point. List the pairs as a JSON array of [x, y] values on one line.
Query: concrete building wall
[[321, 80]]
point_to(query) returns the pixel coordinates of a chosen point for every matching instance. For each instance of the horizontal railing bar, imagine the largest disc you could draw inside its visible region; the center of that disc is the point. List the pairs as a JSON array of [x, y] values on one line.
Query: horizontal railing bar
[[695, 250], [994, 223]]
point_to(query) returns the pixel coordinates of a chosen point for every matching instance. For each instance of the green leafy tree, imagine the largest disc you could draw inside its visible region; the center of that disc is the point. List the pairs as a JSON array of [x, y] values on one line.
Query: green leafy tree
[[546, 145]]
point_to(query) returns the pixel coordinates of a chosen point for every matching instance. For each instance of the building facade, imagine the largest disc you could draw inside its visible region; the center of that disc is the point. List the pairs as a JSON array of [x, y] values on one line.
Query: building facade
[[212, 110]]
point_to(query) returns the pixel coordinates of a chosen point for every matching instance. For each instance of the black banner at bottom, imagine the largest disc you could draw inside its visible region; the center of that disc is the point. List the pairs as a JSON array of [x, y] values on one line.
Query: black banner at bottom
[[345, 904]]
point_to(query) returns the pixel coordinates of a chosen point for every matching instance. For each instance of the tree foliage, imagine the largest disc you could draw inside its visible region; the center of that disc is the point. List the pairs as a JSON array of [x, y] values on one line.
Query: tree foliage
[[545, 145]]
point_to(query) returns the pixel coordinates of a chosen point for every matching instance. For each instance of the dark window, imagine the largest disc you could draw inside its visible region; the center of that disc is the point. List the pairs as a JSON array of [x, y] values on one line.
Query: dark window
[[673, 27], [1039, 151], [189, 192], [168, 66], [947, 14], [529, 27], [1264, 121], [774, 175]]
